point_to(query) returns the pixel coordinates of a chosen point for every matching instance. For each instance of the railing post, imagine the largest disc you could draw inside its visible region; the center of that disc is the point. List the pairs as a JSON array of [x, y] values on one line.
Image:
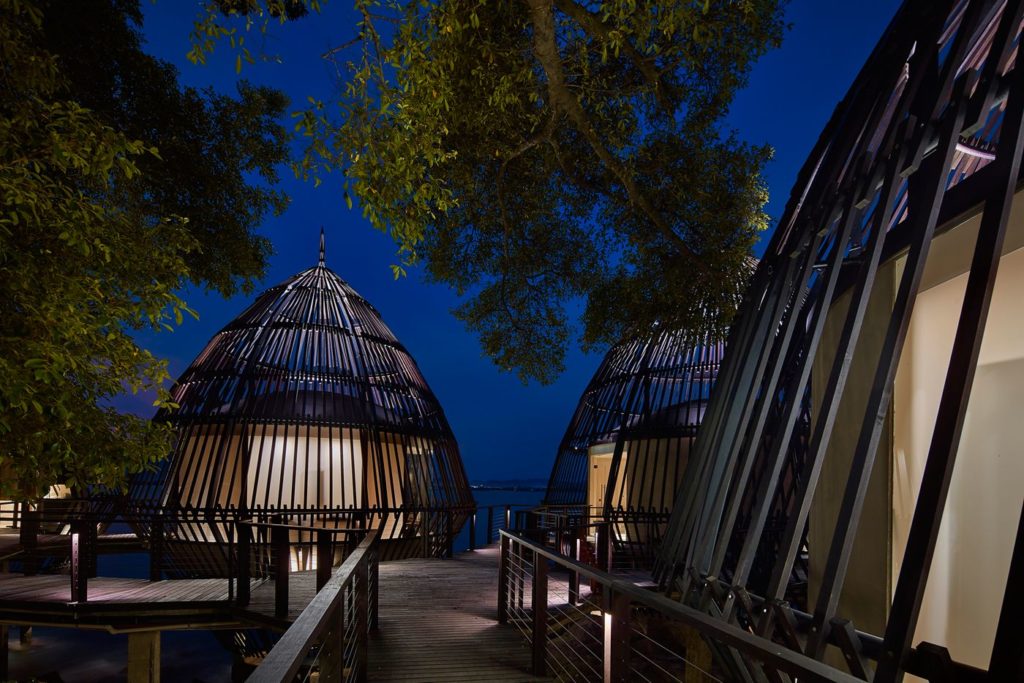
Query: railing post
[[282, 567], [616, 638], [490, 522], [574, 576], [503, 559], [515, 575], [472, 530], [508, 516], [362, 624], [243, 534], [324, 558], [540, 614], [28, 537], [79, 565], [156, 547], [374, 597], [604, 547]]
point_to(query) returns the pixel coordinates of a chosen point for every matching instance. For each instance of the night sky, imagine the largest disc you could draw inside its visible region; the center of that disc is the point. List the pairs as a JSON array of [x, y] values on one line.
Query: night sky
[[505, 430]]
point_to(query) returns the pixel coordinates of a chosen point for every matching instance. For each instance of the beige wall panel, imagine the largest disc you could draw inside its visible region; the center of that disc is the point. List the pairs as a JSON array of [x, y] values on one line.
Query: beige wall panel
[[972, 555], [865, 597]]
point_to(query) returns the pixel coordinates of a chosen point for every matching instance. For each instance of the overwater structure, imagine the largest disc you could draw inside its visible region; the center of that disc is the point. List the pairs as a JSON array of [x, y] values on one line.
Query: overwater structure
[[307, 411]]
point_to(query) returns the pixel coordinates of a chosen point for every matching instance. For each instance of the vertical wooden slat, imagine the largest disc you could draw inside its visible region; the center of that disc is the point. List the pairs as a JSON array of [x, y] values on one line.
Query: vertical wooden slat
[[324, 557]]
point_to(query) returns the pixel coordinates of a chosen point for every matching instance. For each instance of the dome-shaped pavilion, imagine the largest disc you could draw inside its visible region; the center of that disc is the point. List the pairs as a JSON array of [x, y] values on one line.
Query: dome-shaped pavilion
[[624, 454], [306, 407], [638, 415]]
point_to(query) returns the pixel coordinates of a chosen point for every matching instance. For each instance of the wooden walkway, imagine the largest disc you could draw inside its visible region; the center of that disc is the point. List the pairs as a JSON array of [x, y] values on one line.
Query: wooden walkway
[[56, 588], [438, 623], [437, 617]]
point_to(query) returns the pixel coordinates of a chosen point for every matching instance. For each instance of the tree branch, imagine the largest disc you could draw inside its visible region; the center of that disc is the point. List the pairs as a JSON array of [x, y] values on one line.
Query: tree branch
[[593, 25], [546, 52], [527, 144]]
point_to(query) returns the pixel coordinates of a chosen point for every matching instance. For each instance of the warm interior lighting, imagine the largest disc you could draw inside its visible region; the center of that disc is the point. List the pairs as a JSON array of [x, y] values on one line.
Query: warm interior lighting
[[302, 560]]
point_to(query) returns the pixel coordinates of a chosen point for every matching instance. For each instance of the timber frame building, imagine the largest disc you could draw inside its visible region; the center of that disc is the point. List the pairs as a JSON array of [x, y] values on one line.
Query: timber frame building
[[878, 297]]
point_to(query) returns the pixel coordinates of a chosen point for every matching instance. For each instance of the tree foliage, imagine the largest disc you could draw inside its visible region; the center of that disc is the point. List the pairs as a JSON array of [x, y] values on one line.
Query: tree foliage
[[535, 154], [117, 187]]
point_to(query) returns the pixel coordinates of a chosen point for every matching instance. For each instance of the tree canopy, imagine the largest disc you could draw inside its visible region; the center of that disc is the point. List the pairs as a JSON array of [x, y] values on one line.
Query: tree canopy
[[537, 155], [117, 187]]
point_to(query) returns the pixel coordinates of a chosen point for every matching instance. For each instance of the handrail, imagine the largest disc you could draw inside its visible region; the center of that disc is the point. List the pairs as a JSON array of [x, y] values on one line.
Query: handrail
[[320, 615], [775, 655]]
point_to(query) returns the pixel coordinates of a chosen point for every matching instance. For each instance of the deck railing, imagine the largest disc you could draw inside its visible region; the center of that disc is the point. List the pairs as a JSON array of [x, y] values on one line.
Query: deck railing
[[495, 518], [584, 624], [243, 549], [336, 622]]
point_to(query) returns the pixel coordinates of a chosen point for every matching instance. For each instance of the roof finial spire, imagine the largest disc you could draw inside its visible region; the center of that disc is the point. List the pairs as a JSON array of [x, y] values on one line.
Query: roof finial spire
[[322, 250]]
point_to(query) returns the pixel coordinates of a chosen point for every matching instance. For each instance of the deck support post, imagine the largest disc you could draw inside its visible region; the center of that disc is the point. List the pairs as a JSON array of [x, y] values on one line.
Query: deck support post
[[502, 578], [616, 638], [324, 558], [472, 531], [243, 584], [540, 615], [490, 522], [144, 657], [282, 567]]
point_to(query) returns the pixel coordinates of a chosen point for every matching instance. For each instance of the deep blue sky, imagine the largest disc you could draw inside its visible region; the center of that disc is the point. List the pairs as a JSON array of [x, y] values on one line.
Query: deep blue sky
[[505, 429]]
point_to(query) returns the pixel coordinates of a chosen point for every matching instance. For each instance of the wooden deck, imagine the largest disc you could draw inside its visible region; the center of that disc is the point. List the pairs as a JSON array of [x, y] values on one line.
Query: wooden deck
[[55, 588], [437, 617], [438, 623], [117, 603]]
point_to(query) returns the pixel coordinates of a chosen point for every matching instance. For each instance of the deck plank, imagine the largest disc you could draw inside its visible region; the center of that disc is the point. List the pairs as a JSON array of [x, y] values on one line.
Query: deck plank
[[438, 623], [56, 588], [437, 617]]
